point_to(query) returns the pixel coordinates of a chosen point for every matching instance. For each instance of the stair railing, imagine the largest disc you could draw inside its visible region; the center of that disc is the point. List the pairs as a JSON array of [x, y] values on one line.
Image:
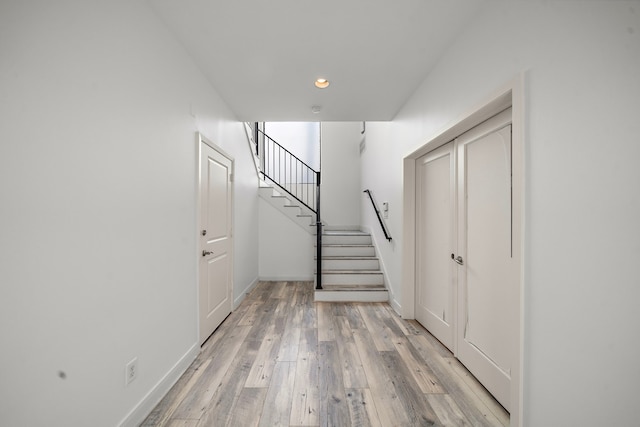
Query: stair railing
[[295, 178], [288, 172], [375, 208], [318, 239]]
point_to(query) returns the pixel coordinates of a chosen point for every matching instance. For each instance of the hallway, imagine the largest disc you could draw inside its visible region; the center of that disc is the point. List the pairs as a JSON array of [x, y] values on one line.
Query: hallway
[[283, 359]]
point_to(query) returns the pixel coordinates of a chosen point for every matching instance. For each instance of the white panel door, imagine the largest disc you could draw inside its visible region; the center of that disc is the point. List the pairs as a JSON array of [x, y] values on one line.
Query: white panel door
[[435, 196], [487, 279], [216, 265]]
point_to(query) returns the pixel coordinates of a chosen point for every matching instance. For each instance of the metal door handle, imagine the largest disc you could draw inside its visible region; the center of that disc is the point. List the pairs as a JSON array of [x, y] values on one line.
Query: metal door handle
[[457, 259], [205, 253]]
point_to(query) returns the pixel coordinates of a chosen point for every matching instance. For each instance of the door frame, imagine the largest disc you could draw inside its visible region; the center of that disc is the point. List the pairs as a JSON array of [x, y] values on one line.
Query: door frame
[[201, 139], [510, 95]]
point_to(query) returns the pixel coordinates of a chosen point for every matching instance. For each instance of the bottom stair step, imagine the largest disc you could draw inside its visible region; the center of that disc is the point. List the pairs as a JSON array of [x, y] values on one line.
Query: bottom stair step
[[355, 277], [345, 295], [353, 288]]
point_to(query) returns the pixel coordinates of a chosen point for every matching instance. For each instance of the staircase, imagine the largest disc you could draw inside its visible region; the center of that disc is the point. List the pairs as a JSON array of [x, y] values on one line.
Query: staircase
[[350, 269]]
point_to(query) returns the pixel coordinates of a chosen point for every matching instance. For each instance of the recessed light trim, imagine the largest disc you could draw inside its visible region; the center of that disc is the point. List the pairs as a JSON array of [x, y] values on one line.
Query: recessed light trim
[[322, 83]]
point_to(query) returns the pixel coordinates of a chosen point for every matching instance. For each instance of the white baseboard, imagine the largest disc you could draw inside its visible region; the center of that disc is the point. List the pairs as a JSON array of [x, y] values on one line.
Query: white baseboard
[[393, 301], [155, 395], [243, 294]]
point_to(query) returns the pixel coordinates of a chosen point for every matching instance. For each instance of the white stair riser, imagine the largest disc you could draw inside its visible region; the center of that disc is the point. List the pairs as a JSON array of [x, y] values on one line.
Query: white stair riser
[[346, 239], [348, 251], [353, 279], [352, 296], [350, 264]]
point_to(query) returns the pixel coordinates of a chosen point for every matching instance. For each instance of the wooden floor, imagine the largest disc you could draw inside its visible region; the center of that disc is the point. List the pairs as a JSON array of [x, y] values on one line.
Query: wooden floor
[[282, 359]]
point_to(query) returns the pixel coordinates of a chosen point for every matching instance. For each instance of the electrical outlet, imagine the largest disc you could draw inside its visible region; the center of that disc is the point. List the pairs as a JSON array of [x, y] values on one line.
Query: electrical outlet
[[131, 371]]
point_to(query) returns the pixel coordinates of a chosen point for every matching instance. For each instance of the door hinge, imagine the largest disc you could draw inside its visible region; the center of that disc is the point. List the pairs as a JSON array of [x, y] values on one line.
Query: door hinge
[[230, 177]]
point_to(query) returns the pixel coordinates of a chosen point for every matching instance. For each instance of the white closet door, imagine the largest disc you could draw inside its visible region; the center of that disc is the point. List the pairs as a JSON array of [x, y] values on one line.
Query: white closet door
[[487, 281], [435, 196]]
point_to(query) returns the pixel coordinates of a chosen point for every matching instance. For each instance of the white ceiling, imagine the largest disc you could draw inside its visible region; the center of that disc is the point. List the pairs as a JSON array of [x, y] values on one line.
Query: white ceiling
[[263, 56]]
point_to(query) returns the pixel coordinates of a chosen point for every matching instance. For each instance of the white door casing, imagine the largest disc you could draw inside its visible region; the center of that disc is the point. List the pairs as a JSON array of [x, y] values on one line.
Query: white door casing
[[435, 198], [216, 242]]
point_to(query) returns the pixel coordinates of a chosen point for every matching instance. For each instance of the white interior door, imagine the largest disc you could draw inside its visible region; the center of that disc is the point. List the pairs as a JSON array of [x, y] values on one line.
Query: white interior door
[[435, 196], [487, 279], [216, 263]]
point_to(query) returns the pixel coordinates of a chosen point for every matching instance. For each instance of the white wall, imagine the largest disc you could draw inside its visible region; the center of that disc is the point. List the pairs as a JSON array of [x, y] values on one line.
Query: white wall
[[302, 139], [341, 192], [286, 250], [99, 106], [582, 62], [381, 165]]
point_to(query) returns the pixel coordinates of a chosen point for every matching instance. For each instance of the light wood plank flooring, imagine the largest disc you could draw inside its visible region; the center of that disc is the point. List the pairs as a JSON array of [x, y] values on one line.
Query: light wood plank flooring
[[282, 359]]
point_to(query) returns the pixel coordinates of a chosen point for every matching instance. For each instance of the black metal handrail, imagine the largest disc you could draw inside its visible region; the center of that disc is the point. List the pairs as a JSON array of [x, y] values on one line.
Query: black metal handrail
[[295, 178], [375, 208]]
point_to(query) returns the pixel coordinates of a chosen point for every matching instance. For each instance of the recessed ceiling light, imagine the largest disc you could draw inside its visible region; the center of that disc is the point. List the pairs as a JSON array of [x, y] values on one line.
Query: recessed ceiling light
[[322, 83]]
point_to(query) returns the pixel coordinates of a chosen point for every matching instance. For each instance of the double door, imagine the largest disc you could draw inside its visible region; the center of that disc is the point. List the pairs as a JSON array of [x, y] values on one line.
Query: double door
[[466, 277]]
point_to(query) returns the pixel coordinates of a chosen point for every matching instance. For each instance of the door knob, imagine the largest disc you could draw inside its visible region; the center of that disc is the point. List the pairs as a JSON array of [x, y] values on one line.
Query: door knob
[[205, 253], [457, 259]]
